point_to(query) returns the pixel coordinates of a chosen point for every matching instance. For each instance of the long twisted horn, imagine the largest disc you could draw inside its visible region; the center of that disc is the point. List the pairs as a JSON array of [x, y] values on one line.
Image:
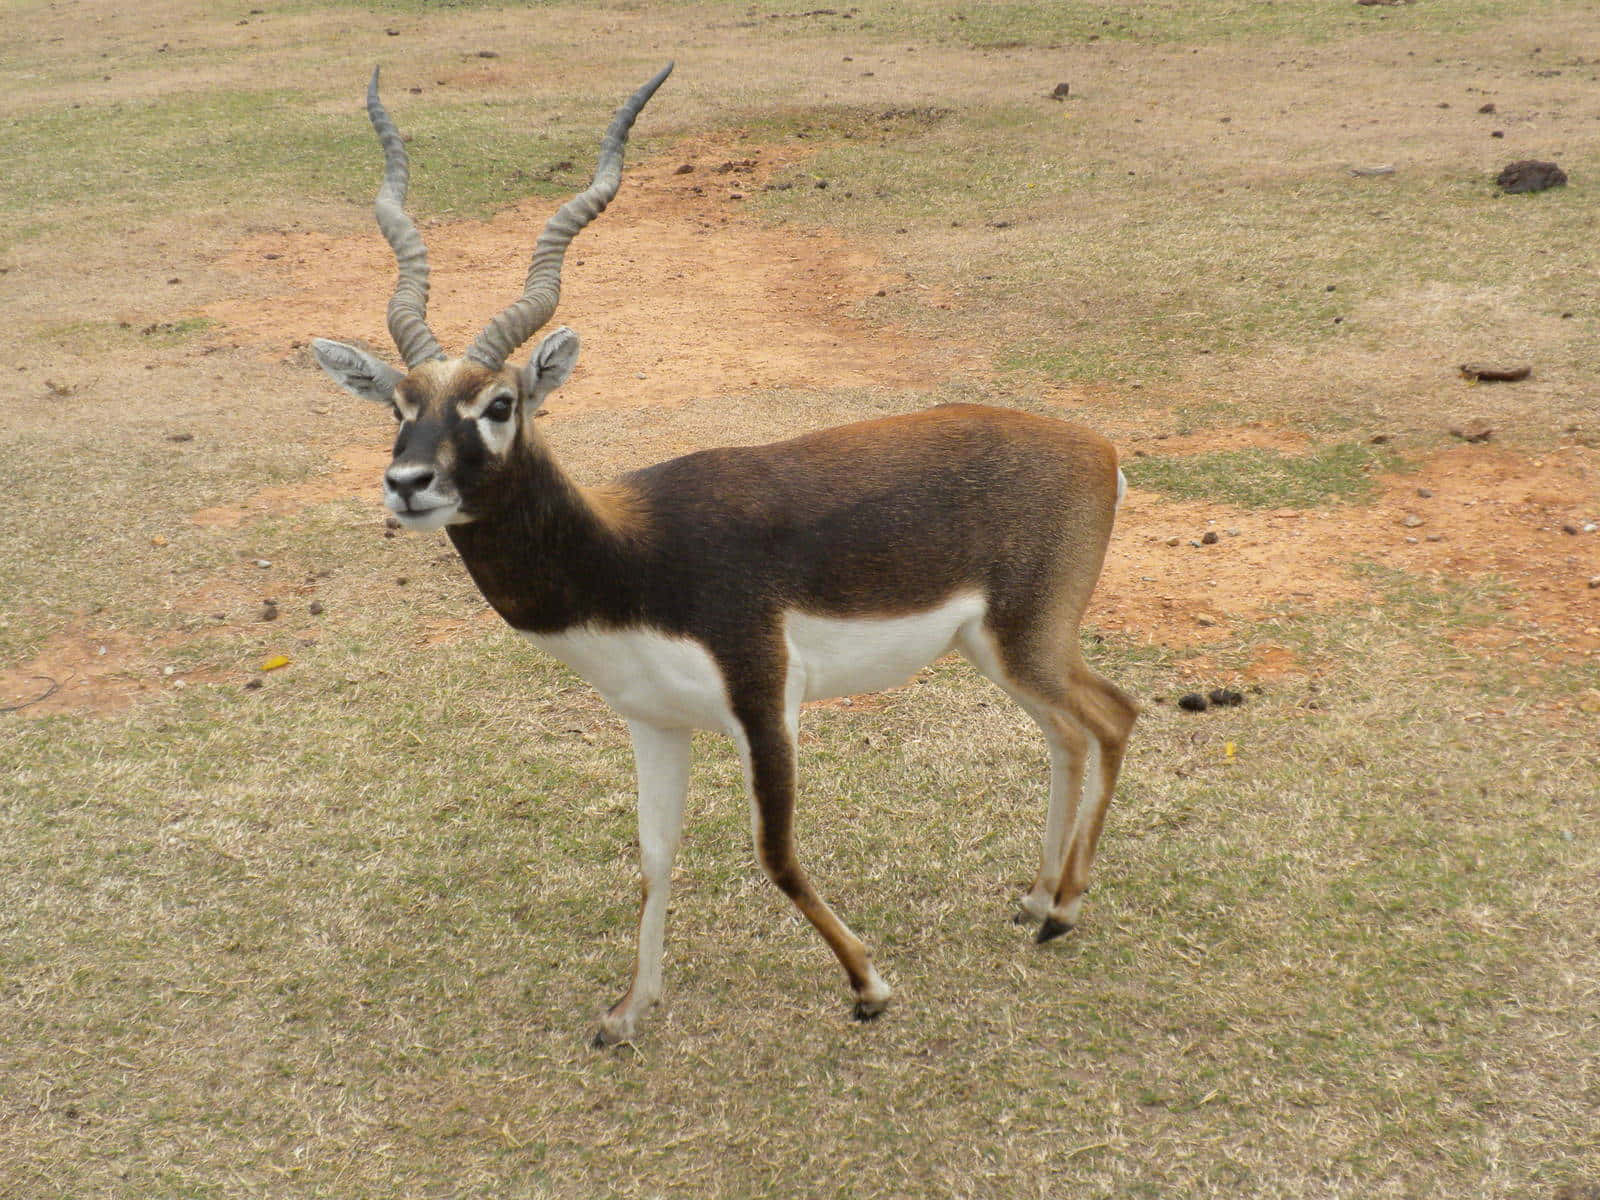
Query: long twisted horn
[[408, 306], [540, 293]]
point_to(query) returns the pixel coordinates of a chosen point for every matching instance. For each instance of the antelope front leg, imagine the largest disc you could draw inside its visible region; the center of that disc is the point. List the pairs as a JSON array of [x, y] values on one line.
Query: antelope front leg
[[767, 749], [661, 758]]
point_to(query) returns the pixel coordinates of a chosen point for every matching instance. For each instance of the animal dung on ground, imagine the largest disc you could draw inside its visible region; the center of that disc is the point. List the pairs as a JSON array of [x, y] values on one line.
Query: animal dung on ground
[[1530, 175], [1496, 372], [1060, 91], [1215, 698]]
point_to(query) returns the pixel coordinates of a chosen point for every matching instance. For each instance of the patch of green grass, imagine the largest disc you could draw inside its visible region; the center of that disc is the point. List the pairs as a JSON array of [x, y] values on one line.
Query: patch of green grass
[[1456, 602], [171, 333], [1218, 249], [184, 152], [1008, 25], [94, 336], [1066, 364], [1258, 478], [432, 7]]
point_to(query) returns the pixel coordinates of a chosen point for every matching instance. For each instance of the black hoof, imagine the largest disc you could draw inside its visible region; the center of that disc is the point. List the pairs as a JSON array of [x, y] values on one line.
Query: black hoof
[[866, 1012], [598, 1042], [1051, 928]]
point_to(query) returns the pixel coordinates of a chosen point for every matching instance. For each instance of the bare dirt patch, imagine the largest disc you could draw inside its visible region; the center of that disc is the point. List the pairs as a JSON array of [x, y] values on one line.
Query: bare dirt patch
[[357, 472], [97, 673], [681, 294], [676, 292], [771, 308], [1468, 514]]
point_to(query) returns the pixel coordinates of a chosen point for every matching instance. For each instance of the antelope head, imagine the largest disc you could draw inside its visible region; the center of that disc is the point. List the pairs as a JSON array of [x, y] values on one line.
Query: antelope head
[[461, 418]]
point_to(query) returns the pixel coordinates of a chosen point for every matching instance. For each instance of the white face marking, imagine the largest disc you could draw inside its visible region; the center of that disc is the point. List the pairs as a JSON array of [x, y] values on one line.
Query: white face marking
[[668, 682], [433, 518], [497, 435], [844, 656], [438, 505]]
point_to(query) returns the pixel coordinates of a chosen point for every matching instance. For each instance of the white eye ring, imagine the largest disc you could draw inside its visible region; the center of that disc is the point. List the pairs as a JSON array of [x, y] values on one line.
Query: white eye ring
[[499, 409]]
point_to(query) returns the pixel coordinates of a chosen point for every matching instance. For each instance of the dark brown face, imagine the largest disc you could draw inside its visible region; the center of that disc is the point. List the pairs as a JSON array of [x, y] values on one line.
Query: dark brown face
[[459, 424]]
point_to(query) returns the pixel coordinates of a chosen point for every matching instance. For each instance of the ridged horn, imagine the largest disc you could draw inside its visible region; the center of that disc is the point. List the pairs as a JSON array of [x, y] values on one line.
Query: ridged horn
[[408, 306], [542, 290]]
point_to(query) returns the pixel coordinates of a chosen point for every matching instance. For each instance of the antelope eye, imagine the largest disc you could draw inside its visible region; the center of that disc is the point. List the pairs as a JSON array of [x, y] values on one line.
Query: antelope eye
[[499, 409]]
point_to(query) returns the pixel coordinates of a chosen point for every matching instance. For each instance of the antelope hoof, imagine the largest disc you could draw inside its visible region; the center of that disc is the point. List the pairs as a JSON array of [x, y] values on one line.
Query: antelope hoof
[[868, 1010], [613, 1031], [1051, 928], [1035, 906]]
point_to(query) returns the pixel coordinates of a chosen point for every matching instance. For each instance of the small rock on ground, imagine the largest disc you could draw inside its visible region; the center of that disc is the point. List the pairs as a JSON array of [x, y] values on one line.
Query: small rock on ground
[[1473, 431]]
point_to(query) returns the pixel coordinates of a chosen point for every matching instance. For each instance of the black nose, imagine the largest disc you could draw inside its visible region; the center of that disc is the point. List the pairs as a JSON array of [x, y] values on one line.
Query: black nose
[[407, 481]]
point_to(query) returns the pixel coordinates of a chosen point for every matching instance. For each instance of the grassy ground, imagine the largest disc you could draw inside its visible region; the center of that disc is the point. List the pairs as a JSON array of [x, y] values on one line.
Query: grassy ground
[[344, 933]]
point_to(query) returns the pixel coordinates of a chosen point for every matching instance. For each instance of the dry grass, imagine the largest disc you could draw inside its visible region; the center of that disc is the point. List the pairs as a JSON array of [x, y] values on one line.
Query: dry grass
[[350, 938], [345, 934]]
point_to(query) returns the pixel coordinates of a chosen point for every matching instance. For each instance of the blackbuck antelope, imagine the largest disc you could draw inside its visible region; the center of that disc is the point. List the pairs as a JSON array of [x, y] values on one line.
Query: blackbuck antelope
[[724, 589]]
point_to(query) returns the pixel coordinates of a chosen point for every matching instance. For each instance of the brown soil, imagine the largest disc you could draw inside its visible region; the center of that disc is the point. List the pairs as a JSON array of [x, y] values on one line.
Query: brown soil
[[357, 472], [676, 292], [1494, 517], [88, 672], [680, 295]]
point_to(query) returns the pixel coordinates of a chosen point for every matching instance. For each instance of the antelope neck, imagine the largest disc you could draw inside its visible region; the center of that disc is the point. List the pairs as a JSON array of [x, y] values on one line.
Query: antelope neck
[[543, 557]]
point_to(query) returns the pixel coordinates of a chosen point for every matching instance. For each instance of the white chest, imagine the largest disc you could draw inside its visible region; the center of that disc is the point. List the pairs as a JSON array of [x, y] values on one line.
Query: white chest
[[669, 682]]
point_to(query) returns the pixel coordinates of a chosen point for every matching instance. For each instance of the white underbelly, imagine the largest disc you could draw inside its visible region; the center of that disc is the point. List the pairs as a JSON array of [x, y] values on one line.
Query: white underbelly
[[845, 656], [674, 683]]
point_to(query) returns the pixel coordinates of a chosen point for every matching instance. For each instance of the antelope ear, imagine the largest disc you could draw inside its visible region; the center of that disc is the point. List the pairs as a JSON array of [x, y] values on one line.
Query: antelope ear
[[356, 370], [550, 366]]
